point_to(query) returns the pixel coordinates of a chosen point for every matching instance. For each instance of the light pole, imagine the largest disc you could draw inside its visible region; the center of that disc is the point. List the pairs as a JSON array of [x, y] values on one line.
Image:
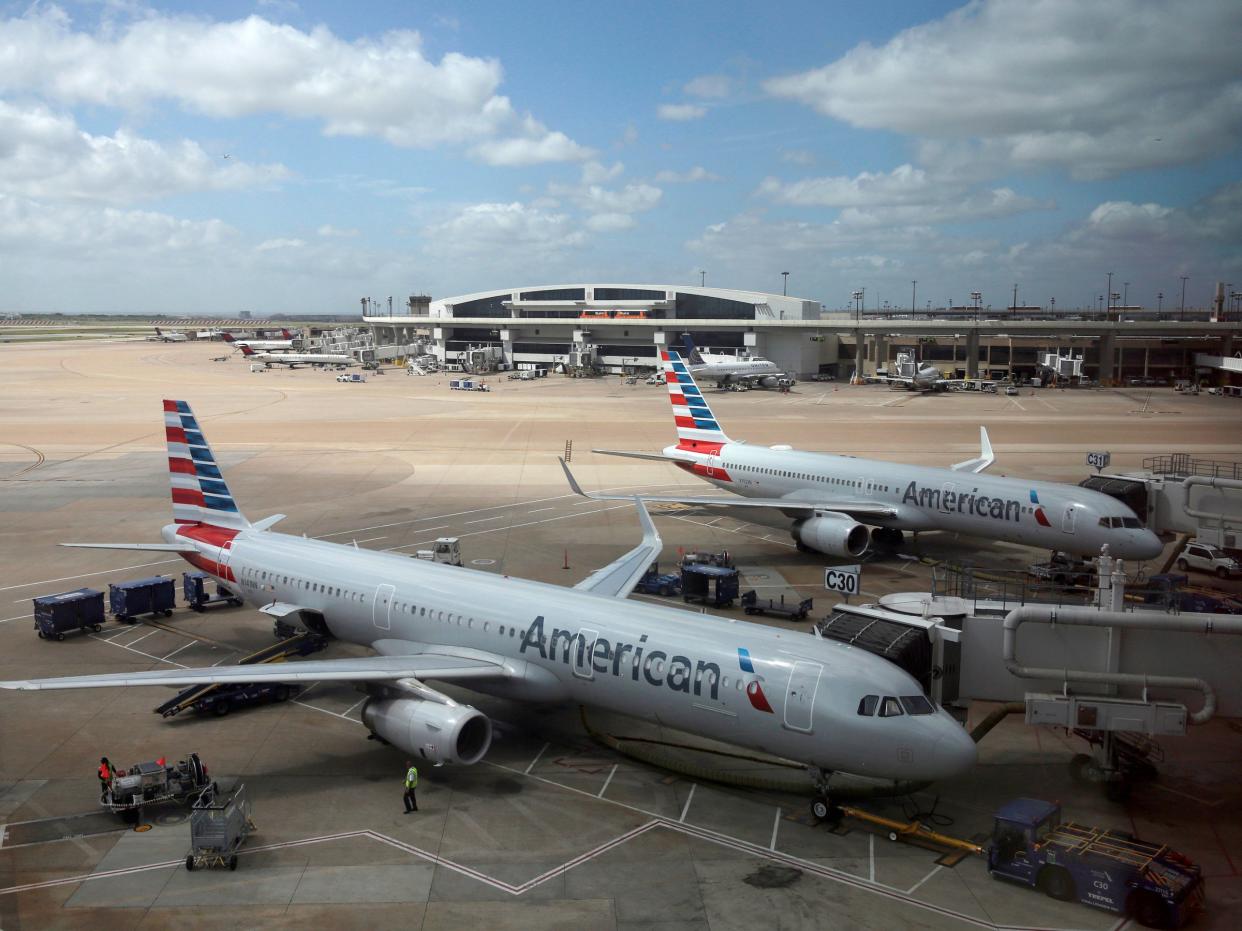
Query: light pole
[[976, 296], [1184, 279], [1014, 307], [702, 278], [858, 308], [1125, 294], [1053, 301], [785, 283], [1159, 302], [1109, 292], [913, 290]]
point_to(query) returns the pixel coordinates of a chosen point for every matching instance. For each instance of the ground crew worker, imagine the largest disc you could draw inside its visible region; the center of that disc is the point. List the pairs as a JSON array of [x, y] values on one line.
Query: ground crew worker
[[105, 775], [411, 783]]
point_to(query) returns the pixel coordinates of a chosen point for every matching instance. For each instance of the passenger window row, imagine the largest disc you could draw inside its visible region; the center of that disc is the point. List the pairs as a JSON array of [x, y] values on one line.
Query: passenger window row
[[891, 707], [806, 477]]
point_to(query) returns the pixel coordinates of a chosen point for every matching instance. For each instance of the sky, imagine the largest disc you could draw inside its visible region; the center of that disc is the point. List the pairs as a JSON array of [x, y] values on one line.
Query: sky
[[293, 157]]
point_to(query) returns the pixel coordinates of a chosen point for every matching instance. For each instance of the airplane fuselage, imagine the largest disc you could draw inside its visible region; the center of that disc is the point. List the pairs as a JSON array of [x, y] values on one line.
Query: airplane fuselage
[[789, 694], [1041, 514]]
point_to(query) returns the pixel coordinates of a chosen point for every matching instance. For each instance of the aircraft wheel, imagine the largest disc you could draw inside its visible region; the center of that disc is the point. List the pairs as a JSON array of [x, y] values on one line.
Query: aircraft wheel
[[189, 862], [892, 835], [233, 862]]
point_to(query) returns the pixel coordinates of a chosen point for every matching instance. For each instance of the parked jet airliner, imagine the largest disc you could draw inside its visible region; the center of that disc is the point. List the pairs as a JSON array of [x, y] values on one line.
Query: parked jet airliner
[[825, 704], [294, 359], [835, 500], [725, 369], [260, 344]]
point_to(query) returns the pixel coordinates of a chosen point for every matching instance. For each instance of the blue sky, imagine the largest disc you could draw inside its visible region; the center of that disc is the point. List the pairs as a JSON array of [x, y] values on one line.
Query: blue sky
[[292, 157]]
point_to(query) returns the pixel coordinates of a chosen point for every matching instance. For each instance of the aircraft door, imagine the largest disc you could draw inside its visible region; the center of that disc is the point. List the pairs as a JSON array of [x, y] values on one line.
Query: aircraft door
[[583, 650], [1067, 520], [381, 607], [800, 699], [868, 487], [713, 467]]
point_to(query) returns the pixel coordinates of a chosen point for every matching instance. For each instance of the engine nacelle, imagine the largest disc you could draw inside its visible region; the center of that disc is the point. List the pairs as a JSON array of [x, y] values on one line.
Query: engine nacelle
[[430, 731], [833, 536], [770, 381]]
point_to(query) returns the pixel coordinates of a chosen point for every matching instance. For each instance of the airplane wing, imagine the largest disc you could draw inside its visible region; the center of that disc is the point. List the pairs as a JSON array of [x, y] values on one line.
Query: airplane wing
[[618, 578], [443, 667], [153, 547], [985, 458], [855, 508]]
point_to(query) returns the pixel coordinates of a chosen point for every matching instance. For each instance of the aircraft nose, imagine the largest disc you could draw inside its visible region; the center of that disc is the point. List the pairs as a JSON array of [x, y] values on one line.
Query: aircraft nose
[[1145, 545], [955, 752]]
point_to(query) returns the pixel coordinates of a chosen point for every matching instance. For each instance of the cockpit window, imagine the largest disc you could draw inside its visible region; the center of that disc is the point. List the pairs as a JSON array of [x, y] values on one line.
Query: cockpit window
[[890, 707], [866, 707], [917, 704], [1131, 522]]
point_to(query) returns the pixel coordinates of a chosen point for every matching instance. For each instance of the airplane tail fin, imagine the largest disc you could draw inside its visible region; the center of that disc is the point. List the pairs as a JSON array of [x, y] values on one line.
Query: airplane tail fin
[[157, 332], [285, 334], [697, 427], [247, 351], [691, 352], [227, 336], [199, 493]]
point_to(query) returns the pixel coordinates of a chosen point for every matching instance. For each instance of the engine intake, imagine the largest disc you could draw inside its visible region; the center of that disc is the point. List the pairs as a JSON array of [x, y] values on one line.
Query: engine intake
[[833, 536], [431, 731]]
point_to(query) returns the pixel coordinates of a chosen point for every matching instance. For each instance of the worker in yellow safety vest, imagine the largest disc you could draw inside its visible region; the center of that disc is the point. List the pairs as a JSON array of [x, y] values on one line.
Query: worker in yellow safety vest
[[411, 783]]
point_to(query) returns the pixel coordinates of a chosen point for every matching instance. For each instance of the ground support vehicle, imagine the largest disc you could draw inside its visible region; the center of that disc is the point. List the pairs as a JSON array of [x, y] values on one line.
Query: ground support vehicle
[[350, 377], [1207, 558], [446, 550], [1171, 592], [220, 822], [1112, 870], [221, 699], [700, 558], [56, 615], [710, 585], [1064, 571], [153, 782], [655, 583], [152, 596], [468, 384], [793, 611], [194, 588]]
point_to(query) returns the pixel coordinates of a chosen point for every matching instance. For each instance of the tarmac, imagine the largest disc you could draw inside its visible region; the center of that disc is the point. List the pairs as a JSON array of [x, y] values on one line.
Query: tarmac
[[552, 829]]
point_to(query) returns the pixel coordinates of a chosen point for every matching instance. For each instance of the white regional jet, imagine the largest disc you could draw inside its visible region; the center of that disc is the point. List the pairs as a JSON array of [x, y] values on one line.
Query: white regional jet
[[162, 337], [294, 359], [259, 344], [836, 500], [725, 369], [821, 703]]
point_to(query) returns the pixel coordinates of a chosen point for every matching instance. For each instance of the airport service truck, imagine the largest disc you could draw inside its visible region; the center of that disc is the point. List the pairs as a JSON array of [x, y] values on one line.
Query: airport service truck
[[1112, 870]]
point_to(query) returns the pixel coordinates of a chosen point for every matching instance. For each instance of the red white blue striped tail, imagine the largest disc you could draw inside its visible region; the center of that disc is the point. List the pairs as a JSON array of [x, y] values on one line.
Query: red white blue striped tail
[[697, 426], [199, 494]]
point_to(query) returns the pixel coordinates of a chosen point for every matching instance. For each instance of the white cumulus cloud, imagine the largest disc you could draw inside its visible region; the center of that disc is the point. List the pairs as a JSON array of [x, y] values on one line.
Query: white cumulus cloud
[[690, 176], [709, 85], [680, 112]]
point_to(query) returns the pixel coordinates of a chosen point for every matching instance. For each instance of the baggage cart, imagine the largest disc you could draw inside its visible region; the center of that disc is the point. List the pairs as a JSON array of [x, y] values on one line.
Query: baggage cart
[[710, 585], [194, 588], [152, 782], [220, 822], [152, 596], [793, 611], [55, 615]]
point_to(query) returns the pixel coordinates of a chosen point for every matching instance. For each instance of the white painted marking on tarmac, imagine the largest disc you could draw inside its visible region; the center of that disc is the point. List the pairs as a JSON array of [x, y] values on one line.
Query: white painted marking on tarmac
[[184, 646], [1018, 403], [527, 770], [612, 772], [871, 856], [21, 617], [912, 889], [529, 523], [356, 704], [776, 825], [371, 539], [484, 520], [85, 575], [686, 807], [539, 510], [335, 714], [139, 652], [136, 639]]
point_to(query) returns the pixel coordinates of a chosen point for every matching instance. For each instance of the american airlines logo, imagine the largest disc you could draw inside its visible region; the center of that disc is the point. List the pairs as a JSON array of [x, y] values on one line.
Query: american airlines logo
[[948, 500], [658, 668]]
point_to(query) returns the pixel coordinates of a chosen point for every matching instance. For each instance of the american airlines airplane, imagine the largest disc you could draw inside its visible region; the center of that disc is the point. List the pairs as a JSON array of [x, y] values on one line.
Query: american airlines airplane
[[835, 501], [725, 369], [294, 359], [260, 344], [827, 705]]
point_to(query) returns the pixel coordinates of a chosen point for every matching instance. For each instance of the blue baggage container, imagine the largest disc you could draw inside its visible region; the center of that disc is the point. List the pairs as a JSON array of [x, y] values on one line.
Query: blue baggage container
[[157, 595], [77, 610], [194, 588]]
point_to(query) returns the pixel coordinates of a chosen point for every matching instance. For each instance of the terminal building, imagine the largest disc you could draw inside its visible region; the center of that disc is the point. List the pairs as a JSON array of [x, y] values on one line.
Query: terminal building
[[598, 328]]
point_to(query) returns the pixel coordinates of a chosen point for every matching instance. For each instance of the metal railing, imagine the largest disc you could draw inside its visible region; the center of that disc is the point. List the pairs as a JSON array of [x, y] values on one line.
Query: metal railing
[[1183, 465]]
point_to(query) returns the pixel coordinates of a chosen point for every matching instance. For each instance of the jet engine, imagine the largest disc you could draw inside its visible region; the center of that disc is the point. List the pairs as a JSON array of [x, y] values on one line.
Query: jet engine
[[832, 535], [429, 730], [770, 381]]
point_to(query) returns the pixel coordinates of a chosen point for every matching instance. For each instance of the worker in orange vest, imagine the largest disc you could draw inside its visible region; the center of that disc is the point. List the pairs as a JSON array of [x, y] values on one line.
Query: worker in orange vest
[[106, 773]]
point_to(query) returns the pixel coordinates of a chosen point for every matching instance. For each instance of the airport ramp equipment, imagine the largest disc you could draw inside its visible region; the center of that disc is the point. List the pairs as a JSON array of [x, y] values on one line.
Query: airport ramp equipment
[[127, 600], [220, 822], [56, 615], [301, 645], [194, 589]]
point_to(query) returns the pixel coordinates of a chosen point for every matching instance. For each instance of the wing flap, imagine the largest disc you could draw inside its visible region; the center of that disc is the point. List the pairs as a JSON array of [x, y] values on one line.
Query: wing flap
[[445, 668]]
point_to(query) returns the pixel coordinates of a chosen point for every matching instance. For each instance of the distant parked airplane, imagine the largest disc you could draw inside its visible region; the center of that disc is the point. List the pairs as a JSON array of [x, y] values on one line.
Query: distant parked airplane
[[835, 500], [725, 369], [294, 359], [259, 344], [162, 337]]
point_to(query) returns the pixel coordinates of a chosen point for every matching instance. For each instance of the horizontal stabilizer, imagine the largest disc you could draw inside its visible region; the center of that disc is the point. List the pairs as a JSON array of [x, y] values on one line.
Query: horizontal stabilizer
[[656, 457], [267, 522], [152, 547], [618, 578]]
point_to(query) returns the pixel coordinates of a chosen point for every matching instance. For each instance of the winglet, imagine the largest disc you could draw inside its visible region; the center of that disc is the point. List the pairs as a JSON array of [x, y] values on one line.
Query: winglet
[[986, 456], [573, 482]]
